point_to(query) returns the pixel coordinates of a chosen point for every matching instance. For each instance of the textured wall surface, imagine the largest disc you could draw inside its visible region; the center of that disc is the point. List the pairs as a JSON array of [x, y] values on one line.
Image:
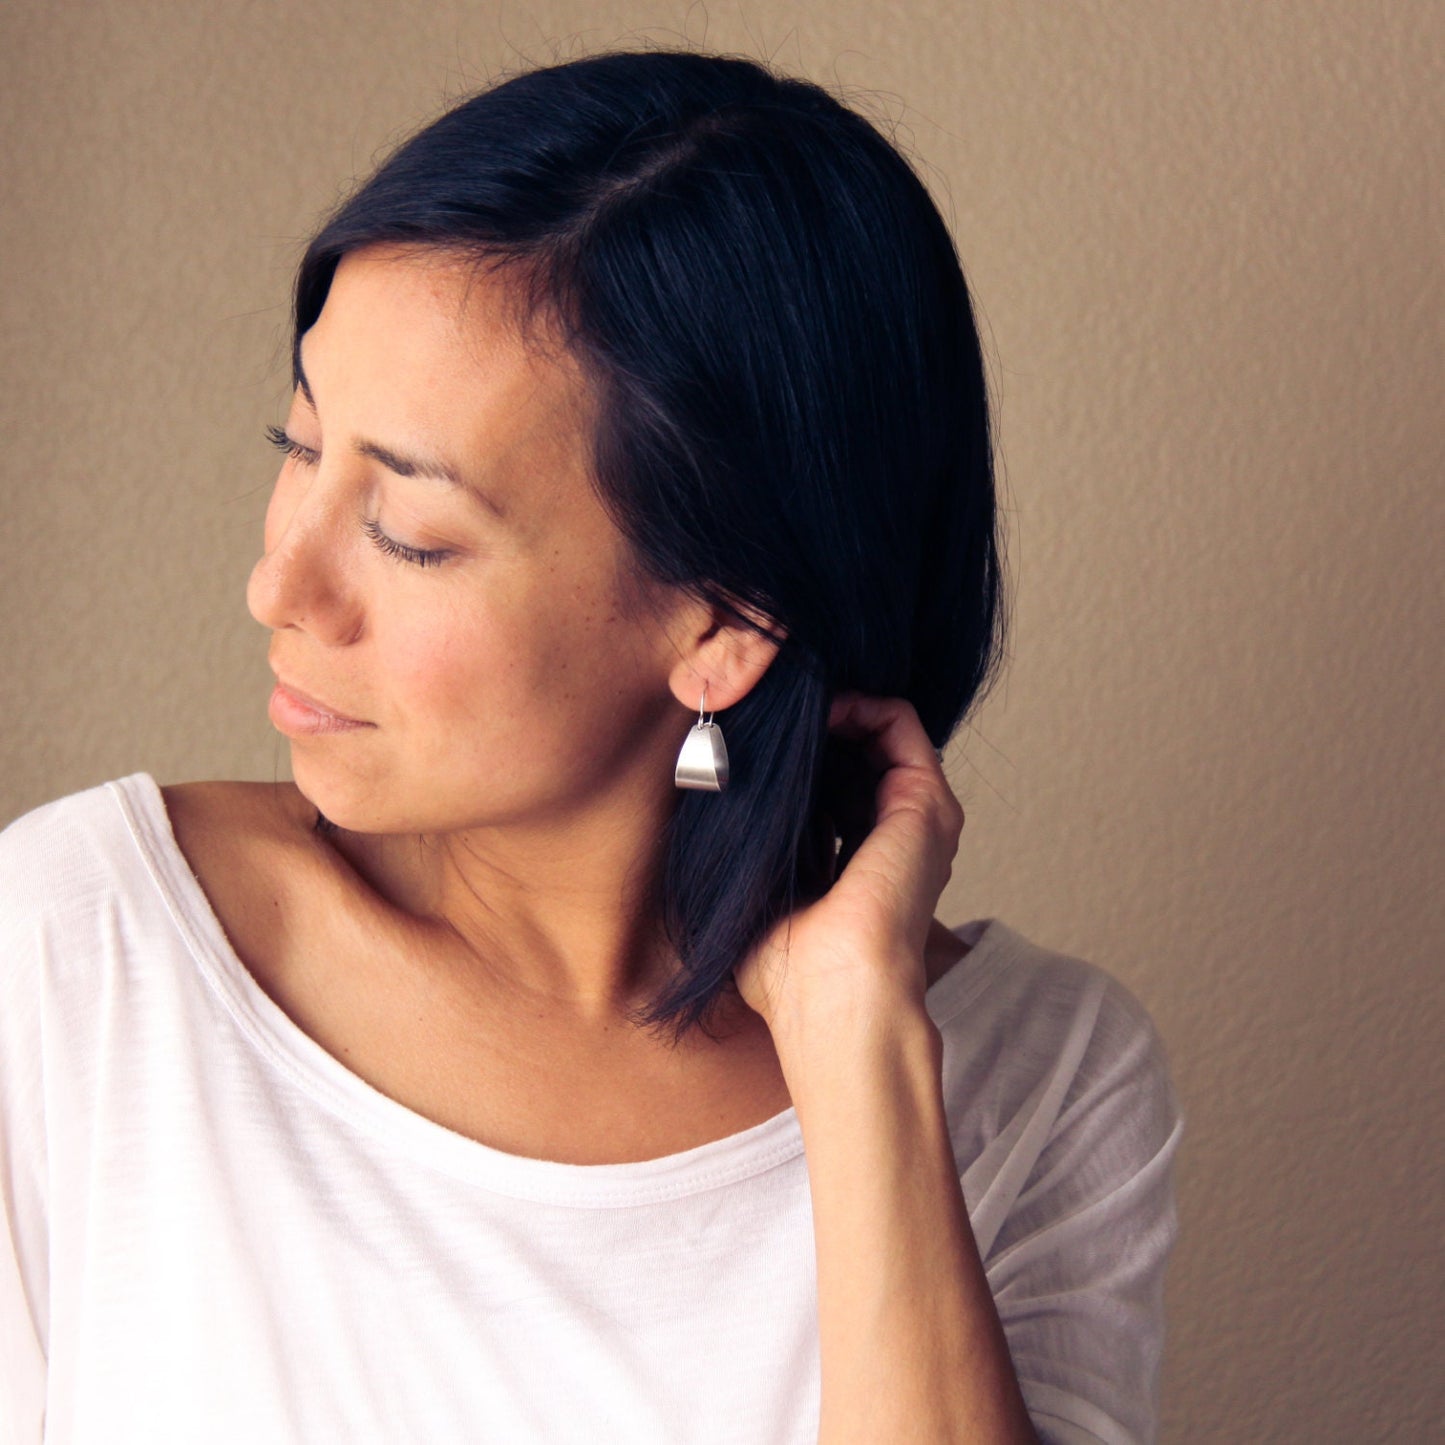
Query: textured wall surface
[[1205, 243]]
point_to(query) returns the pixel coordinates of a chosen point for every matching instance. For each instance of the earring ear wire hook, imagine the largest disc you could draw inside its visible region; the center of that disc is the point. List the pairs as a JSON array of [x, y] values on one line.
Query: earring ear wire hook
[[703, 761]]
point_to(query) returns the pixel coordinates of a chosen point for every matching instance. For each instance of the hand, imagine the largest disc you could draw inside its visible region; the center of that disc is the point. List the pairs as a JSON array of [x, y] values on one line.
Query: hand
[[865, 938]]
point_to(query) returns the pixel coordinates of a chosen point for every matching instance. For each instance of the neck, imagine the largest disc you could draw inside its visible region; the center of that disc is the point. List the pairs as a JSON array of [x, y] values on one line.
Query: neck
[[564, 921], [564, 917]]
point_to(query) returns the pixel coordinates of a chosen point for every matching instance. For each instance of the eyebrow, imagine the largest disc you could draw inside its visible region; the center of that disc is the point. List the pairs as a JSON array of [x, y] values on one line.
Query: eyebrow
[[431, 468]]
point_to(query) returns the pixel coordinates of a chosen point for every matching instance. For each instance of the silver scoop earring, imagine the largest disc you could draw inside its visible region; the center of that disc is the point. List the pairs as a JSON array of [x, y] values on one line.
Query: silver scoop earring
[[703, 761]]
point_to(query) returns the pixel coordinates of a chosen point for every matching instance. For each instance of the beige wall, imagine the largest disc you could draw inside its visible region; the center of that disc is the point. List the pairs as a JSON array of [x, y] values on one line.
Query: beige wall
[[1205, 241]]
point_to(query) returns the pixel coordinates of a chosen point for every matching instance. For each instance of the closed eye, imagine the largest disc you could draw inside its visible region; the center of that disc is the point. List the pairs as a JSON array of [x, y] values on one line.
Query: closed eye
[[292, 448], [307, 456], [417, 556]]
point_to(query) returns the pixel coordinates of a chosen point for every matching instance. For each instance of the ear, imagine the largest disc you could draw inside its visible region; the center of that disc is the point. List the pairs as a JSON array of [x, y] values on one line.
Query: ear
[[725, 654]]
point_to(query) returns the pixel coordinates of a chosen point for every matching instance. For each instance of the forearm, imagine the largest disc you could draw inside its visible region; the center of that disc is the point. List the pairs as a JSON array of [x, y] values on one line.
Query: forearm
[[910, 1342]]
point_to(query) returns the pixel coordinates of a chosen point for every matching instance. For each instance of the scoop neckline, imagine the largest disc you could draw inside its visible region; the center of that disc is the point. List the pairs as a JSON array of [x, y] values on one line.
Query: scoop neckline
[[322, 1077]]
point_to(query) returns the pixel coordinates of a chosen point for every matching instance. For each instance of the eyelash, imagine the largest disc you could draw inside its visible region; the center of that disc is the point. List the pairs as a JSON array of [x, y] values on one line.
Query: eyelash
[[417, 556], [283, 443]]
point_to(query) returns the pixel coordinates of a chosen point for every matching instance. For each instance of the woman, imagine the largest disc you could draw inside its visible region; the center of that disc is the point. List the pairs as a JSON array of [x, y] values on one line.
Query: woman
[[572, 1052]]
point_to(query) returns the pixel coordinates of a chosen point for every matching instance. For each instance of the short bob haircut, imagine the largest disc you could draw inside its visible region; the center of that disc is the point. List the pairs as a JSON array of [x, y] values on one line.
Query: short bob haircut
[[793, 420]]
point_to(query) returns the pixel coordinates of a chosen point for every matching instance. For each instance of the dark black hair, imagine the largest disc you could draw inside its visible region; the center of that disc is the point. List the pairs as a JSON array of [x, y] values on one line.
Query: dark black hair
[[793, 421]]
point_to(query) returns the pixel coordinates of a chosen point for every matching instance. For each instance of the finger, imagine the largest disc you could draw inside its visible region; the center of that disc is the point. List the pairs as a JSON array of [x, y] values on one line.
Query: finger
[[888, 726], [897, 745]]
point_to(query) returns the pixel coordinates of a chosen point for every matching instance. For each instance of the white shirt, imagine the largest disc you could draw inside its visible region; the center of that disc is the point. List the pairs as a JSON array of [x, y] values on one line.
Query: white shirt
[[213, 1231]]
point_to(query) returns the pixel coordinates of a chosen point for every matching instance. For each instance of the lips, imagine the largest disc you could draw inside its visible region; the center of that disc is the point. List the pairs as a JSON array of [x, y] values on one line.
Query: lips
[[298, 714], [315, 704]]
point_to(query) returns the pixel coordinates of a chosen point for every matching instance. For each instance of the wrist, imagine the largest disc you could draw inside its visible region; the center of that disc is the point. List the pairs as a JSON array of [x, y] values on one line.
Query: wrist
[[836, 1044]]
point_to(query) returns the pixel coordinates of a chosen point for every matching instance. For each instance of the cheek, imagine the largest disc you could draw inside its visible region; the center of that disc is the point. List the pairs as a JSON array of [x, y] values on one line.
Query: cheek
[[453, 670], [528, 666]]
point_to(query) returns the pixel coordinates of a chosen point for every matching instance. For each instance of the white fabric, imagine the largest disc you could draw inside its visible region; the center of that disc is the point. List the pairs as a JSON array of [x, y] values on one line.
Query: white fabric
[[212, 1230]]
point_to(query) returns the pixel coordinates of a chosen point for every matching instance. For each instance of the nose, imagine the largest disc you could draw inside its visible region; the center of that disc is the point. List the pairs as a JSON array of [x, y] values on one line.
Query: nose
[[300, 581]]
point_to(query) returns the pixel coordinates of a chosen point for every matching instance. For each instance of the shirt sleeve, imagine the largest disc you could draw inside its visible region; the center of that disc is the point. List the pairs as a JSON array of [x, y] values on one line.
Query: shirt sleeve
[[23, 1248], [1077, 1269]]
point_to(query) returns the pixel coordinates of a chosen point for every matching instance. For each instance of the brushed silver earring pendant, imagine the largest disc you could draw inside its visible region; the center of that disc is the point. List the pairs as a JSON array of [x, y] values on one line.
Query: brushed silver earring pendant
[[703, 761]]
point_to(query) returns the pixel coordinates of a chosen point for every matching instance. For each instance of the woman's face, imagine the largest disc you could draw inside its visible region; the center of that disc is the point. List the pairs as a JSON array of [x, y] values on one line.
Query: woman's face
[[453, 631]]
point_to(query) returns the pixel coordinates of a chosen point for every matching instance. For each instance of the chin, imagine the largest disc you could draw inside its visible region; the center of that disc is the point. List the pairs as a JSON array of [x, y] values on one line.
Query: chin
[[377, 803], [342, 798]]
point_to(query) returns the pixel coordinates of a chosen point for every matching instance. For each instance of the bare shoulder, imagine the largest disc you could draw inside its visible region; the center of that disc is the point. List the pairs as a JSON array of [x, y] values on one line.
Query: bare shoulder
[[243, 841], [254, 850], [210, 814]]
